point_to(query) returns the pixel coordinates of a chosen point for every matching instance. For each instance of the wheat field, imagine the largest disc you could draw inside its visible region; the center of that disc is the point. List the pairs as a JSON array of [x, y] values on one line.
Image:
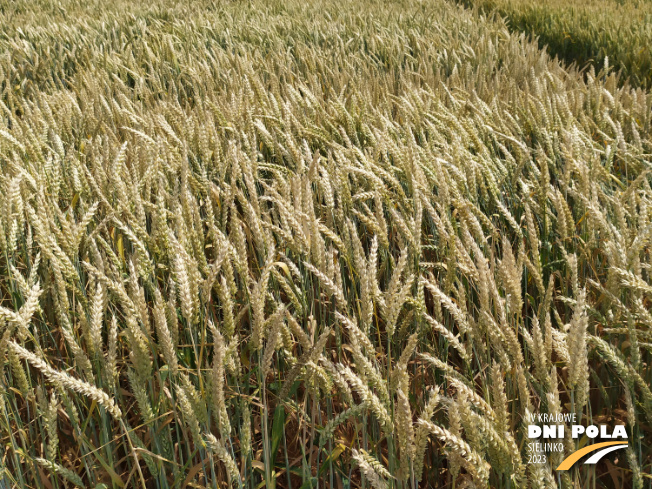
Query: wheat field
[[309, 245], [608, 34]]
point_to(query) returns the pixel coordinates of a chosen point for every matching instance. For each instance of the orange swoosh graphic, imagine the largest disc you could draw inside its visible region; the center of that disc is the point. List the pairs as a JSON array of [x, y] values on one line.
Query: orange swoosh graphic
[[574, 457]]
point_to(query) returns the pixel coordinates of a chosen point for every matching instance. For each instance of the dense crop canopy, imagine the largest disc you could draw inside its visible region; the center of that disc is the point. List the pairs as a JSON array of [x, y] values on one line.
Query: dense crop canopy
[[312, 244]]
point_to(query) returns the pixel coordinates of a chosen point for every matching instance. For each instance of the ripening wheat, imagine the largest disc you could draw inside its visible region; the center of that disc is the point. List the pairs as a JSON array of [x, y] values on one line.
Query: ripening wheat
[[301, 245]]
